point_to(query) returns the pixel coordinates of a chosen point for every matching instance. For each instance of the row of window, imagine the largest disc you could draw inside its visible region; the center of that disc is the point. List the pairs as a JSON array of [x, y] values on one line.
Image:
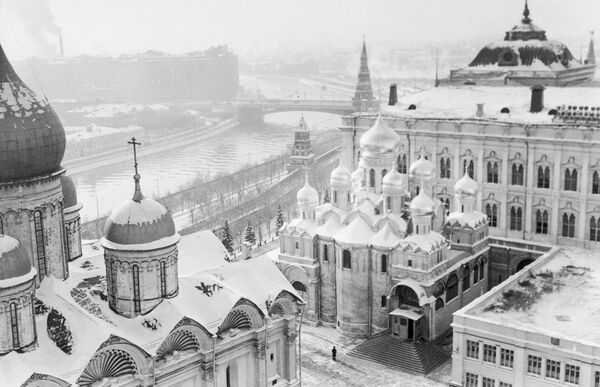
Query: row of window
[[452, 283], [517, 173], [552, 369], [347, 259], [472, 380], [568, 222], [490, 354]]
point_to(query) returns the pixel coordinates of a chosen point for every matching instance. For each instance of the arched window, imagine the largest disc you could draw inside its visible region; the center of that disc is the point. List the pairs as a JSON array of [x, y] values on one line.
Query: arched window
[[383, 263], [481, 270], [568, 225], [163, 279], [445, 168], [491, 210], [325, 253], [228, 376], [469, 167], [570, 179], [466, 280], [439, 304], [492, 172], [516, 218], [595, 183], [1, 227], [346, 259], [446, 203], [402, 164], [383, 173], [137, 307], [594, 229], [517, 174], [372, 178], [334, 197], [543, 177], [475, 273], [40, 244], [14, 323], [452, 288], [541, 222], [389, 202]]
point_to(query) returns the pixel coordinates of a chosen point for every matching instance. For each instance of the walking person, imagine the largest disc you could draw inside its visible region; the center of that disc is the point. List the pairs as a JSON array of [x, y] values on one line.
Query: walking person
[[333, 353]]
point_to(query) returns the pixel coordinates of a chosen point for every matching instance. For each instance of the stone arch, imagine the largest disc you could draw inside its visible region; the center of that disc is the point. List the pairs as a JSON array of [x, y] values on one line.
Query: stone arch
[[282, 307], [245, 315], [420, 293], [42, 380], [115, 358], [297, 276]]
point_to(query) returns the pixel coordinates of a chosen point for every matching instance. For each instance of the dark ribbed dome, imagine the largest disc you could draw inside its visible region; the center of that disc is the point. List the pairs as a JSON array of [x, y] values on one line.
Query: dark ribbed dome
[[69, 191], [32, 139], [14, 261]]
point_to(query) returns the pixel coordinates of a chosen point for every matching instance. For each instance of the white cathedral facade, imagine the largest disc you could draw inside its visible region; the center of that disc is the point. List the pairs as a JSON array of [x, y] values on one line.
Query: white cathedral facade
[[384, 254]]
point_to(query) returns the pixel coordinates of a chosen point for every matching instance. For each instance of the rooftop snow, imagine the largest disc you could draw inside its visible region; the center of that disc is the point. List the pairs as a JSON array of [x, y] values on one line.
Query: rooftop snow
[[561, 297], [460, 102]]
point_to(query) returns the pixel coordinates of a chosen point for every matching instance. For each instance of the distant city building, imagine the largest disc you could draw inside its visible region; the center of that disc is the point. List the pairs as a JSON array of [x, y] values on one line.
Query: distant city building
[[210, 75], [527, 57], [93, 139]]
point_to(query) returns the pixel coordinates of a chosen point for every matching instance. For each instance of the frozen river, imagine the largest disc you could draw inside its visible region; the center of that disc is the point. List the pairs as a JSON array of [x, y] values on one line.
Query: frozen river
[[102, 189]]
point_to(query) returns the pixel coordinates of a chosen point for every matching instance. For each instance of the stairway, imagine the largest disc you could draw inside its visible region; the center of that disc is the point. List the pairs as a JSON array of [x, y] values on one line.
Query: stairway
[[419, 357]]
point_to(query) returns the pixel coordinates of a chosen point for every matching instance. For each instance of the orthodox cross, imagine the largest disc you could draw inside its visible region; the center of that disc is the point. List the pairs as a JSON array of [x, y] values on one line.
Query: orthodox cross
[[134, 143]]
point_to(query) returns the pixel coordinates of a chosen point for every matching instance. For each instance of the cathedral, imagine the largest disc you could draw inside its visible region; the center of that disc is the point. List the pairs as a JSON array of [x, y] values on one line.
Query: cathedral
[[143, 306], [384, 253]]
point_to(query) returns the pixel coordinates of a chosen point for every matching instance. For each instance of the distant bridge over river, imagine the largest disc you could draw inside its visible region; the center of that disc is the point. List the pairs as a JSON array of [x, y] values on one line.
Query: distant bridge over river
[[255, 110]]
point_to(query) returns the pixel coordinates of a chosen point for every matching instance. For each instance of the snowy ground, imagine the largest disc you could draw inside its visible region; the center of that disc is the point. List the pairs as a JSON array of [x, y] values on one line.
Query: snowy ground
[[319, 370]]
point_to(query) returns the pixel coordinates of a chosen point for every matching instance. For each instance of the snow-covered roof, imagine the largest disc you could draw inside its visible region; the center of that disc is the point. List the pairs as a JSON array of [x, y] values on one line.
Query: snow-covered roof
[[207, 293], [423, 243], [299, 226], [471, 219], [386, 237], [358, 231], [562, 294], [459, 102], [15, 264], [331, 226]]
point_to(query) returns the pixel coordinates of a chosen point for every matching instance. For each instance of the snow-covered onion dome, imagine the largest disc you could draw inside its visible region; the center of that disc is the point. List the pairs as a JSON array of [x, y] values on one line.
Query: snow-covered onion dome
[[32, 139], [17, 293], [379, 140], [340, 177], [15, 265], [139, 221], [466, 188], [357, 177], [394, 183], [422, 205], [422, 170], [307, 195]]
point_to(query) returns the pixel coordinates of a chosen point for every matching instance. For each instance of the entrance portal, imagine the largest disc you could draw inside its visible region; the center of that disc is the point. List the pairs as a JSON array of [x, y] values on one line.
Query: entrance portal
[[405, 323]]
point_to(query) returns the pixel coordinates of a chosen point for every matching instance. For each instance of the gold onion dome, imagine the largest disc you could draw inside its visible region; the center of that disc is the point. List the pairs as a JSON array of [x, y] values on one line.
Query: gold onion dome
[[466, 188], [307, 194], [422, 204], [422, 169], [379, 140], [340, 176], [394, 182]]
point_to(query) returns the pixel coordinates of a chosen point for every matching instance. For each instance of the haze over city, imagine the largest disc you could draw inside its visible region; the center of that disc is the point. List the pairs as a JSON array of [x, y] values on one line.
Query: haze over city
[[269, 27]]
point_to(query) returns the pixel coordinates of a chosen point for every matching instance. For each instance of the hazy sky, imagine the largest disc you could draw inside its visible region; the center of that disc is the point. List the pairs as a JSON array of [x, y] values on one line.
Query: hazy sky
[[30, 27]]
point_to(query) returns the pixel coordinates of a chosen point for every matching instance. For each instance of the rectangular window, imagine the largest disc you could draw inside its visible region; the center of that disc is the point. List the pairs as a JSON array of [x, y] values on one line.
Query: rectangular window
[[384, 263], [597, 379], [472, 349], [504, 384], [552, 369], [410, 262], [471, 380], [507, 357], [534, 365], [489, 353], [572, 374], [488, 382], [383, 301]]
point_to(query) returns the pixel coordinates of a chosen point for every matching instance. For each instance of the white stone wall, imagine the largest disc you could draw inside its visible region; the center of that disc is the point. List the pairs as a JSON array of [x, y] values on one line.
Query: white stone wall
[[23, 295]]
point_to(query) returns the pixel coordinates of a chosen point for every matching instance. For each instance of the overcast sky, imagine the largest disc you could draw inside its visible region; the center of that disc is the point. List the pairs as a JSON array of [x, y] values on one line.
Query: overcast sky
[[259, 27]]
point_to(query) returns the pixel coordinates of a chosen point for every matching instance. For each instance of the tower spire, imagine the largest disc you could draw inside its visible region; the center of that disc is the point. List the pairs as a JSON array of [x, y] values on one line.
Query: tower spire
[[364, 88], [526, 18], [137, 195], [591, 54]]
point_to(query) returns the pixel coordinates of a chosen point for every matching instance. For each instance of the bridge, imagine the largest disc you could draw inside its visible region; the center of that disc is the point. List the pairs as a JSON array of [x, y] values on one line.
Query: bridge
[[255, 110]]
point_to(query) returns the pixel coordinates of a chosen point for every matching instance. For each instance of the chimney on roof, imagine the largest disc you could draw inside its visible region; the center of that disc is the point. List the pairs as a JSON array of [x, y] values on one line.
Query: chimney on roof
[[393, 95], [537, 98], [62, 53], [479, 112]]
